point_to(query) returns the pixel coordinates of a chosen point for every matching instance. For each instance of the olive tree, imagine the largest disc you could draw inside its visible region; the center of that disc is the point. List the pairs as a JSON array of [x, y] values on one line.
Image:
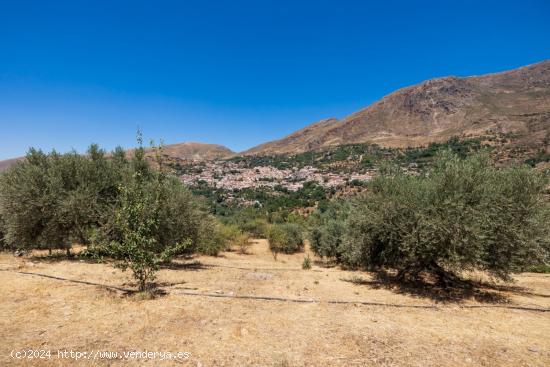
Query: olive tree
[[29, 203], [460, 214], [136, 244], [155, 218], [53, 200], [328, 228]]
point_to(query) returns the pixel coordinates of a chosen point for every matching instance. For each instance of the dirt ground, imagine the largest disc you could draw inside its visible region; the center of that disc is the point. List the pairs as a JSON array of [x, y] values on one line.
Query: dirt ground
[[205, 312]]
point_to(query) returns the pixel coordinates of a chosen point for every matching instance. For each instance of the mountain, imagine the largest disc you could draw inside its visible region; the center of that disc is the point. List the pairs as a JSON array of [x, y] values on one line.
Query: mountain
[[5, 164], [515, 102], [196, 151]]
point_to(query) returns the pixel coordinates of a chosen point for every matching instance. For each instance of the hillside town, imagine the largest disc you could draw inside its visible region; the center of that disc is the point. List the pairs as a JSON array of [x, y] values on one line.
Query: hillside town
[[234, 176]]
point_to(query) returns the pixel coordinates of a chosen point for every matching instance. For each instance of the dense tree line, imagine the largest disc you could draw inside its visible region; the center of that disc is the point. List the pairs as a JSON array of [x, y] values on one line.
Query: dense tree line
[[120, 207], [53, 200], [460, 214]]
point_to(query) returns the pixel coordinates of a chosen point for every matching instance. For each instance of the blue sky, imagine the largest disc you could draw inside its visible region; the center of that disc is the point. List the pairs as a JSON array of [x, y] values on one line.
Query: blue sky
[[236, 73]]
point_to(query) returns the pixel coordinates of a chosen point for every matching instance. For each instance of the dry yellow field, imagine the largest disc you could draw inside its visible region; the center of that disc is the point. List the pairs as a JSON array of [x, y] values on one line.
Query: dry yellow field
[[206, 313]]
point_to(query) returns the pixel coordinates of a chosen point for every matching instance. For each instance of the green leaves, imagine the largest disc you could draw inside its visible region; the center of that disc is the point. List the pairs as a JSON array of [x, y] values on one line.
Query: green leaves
[[155, 218], [286, 238], [52, 200], [460, 214]]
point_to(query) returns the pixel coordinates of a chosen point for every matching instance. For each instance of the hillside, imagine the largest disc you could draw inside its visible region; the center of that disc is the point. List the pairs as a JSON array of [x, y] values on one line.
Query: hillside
[[5, 164], [515, 102], [196, 151]]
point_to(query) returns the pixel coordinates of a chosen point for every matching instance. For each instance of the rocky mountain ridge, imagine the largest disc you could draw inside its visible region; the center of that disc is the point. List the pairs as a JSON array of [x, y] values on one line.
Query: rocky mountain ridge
[[512, 102]]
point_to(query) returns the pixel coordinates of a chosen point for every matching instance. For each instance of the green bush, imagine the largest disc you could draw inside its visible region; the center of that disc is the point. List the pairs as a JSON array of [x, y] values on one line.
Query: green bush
[[183, 217], [222, 237], [540, 157], [306, 264], [461, 214], [328, 229], [540, 268], [285, 238], [257, 227], [233, 237]]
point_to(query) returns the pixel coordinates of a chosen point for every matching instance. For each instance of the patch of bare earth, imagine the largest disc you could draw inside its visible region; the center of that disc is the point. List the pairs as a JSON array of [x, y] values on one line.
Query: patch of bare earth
[[200, 315]]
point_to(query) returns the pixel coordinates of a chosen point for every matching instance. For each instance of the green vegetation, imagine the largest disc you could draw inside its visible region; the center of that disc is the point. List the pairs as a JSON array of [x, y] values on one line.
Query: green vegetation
[[3, 245], [285, 238], [154, 219], [541, 156], [51, 200], [328, 228], [135, 237], [461, 214], [270, 201], [306, 264], [451, 210], [121, 208], [277, 206], [358, 157], [540, 268], [424, 156], [274, 205], [233, 236]]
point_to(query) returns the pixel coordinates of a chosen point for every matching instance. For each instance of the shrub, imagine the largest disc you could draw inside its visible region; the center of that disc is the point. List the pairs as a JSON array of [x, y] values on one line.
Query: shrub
[[183, 217], [222, 237], [286, 238], [328, 229], [541, 268], [232, 236], [306, 264], [257, 228], [242, 242], [460, 214]]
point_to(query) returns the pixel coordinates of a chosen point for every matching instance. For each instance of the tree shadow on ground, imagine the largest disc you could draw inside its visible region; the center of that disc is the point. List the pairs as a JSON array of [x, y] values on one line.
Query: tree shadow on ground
[[152, 292], [79, 257], [523, 291], [427, 287], [195, 266], [59, 257], [327, 264]]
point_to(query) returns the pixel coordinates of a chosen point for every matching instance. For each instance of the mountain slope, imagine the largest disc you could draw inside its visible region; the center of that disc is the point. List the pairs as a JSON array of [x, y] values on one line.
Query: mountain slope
[[516, 101], [303, 139], [196, 151], [5, 164]]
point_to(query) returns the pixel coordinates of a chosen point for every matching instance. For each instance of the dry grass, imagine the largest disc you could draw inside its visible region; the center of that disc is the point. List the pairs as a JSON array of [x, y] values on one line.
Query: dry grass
[[45, 313]]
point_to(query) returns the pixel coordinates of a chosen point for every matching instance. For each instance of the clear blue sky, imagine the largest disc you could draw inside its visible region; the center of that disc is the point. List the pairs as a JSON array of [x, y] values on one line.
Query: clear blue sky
[[235, 72]]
